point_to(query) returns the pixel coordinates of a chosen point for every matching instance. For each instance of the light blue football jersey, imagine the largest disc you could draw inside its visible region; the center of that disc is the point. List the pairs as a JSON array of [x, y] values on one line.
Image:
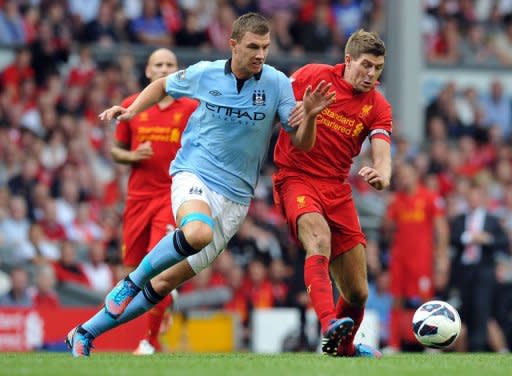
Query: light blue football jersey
[[227, 137]]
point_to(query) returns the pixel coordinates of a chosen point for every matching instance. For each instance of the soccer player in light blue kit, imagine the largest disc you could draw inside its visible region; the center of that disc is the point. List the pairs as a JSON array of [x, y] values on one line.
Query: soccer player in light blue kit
[[216, 169]]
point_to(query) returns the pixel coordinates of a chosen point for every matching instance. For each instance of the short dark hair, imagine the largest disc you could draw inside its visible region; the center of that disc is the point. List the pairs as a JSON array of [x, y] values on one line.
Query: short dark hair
[[250, 22], [364, 42]]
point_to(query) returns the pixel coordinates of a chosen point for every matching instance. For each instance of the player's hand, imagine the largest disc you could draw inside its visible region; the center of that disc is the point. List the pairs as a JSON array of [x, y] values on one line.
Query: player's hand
[[143, 151], [374, 178], [297, 115], [116, 112], [314, 101], [482, 238]]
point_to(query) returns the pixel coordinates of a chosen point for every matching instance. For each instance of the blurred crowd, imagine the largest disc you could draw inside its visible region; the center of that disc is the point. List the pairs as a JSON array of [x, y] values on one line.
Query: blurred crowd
[[52, 27], [61, 194], [469, 32]]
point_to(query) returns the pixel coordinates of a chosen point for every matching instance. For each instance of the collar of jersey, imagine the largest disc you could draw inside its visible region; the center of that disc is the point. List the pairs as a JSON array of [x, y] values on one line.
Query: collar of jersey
[[227, 70]]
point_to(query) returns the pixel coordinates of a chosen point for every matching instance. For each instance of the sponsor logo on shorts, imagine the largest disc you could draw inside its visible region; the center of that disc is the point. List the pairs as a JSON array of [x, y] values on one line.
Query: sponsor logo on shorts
[[195, 191]]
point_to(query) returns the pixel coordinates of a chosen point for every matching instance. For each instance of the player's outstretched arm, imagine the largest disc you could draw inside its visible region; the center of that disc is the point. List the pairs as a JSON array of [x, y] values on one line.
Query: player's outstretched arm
[[313, 102], [153, 93], [122, 153], [379, 175]]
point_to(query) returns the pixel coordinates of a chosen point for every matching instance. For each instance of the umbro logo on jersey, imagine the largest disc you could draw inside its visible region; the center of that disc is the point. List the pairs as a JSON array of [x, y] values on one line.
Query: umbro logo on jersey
[[195, 191], [258, 98], [215, 93]]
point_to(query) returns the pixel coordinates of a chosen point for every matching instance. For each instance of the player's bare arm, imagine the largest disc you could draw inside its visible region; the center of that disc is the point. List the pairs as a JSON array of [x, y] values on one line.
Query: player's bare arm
[[313, 102], [122, 154], [379, 175], [153, 93]]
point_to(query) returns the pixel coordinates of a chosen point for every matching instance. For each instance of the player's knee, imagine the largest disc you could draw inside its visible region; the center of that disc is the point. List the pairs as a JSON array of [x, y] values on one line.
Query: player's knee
[[358, 295], [163, 286], [317, 244], [198, 234], [314, 235]]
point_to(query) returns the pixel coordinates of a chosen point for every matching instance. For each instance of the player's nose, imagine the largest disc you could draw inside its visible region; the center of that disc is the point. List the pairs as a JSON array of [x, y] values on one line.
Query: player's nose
[[260, 55]]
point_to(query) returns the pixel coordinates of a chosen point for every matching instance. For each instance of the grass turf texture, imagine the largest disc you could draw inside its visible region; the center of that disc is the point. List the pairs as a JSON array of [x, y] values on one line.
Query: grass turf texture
[[247, 364]]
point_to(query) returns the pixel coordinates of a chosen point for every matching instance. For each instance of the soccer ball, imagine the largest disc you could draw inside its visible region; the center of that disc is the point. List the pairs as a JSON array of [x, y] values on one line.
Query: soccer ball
[[436, 324]]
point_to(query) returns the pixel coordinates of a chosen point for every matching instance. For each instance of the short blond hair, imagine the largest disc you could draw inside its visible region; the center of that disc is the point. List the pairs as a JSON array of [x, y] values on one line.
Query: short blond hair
[[364, 42], [250, 22]]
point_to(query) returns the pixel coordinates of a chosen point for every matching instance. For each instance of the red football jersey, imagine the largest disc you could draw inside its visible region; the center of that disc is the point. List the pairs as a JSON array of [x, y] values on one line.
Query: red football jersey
[[163, 127], [341, 128], [413, 216]]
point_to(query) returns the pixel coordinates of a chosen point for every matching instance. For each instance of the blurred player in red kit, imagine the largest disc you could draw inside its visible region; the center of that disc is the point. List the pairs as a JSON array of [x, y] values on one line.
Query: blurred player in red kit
[[149, 143], [311, 187], [419, 243]]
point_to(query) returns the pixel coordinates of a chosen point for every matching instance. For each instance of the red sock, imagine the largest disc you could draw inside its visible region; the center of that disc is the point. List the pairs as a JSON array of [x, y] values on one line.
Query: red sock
[[356, 313], [394, 328], [319, 288], [155, 317]]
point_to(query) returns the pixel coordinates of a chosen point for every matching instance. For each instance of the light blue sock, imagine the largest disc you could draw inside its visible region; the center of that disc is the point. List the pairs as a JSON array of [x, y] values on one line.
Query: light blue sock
[[162, 256], [137, 307], [100, 323]]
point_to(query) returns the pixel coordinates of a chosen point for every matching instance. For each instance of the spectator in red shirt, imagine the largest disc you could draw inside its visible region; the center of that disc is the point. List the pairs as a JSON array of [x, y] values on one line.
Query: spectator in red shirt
[[51, 227], [45, 296], [258, 287], [82, 73], [68, 269], [15, 73]]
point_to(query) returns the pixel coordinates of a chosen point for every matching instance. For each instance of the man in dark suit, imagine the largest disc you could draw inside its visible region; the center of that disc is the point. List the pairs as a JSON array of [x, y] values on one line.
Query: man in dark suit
[[476, 238]]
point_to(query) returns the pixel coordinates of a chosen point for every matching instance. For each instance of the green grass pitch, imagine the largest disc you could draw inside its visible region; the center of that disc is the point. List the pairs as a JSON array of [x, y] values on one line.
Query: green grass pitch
[[247, 364]]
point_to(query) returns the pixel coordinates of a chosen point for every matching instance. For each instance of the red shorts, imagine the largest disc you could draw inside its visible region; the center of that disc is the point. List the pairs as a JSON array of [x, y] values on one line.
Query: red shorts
[[410, 277], [145, 222], [298, 195]]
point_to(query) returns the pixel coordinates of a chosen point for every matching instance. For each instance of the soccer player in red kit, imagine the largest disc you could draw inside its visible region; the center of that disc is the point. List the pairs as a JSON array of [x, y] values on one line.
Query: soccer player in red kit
[[149, 143], [416, 217], [312, 189]]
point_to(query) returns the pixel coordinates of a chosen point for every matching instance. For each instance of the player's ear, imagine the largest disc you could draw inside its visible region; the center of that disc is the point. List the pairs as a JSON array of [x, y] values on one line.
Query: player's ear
[[232, 43], [348, 59]]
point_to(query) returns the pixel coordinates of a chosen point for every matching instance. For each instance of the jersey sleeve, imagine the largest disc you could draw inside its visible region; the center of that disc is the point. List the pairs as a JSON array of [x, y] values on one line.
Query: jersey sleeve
[[381, 126], [185, 82], [300, 80], [190, 105], [286, 101]]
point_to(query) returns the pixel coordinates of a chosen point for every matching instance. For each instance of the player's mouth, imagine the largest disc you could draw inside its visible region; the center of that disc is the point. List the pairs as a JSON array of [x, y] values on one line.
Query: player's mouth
[[367, 84]]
